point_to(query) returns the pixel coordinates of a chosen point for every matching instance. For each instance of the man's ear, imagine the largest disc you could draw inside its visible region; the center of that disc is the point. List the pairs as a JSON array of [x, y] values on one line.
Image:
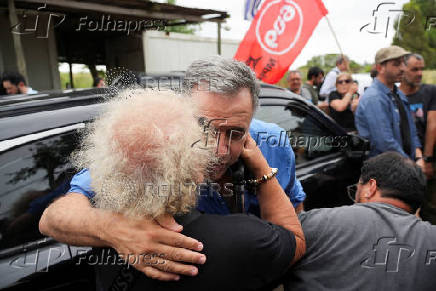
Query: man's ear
[[21, 86], [379, 68], [372, 189]]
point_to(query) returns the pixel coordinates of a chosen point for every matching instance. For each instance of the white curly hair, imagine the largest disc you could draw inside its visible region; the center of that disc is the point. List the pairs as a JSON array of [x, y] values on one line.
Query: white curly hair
[[143, 154]]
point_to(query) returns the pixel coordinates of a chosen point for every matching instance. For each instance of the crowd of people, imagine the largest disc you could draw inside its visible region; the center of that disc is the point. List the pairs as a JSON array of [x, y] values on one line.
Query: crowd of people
[[393, 118], [203, 239]]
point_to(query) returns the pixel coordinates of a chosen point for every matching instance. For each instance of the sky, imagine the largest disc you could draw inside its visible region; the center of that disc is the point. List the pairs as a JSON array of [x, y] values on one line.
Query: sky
[[346, 17]]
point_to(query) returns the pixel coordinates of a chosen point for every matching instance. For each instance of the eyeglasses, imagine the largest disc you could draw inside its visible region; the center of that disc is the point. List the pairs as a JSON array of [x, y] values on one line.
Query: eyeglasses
[[351, 191], [348, 81]]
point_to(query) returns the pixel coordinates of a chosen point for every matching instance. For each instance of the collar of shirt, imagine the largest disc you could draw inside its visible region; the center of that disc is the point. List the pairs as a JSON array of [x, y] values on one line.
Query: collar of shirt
[[382, 87], [31, 91]]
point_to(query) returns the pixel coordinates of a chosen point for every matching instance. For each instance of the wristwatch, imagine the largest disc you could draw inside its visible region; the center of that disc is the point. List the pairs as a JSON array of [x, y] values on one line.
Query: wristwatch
[[428, 159]]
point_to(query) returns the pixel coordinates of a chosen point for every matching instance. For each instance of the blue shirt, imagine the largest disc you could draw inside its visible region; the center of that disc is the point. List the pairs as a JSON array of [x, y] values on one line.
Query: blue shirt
[[378, 120], [277, 152], [38, 205]]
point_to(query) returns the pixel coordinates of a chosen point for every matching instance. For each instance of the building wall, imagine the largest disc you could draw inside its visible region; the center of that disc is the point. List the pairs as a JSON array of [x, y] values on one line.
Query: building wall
[[154, 52], [175, 51], [40, 55], [126, 52]]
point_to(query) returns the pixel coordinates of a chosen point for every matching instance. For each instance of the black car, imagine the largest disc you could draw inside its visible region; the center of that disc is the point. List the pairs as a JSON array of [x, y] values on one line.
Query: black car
[[38, 133], [327, 157]]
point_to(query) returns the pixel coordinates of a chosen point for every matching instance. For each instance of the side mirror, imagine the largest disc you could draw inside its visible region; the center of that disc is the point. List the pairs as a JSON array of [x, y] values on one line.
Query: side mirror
[[357, 147]]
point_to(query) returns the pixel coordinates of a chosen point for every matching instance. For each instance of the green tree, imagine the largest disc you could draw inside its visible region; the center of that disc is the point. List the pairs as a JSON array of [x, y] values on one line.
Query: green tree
[[328, 62], [417, 36], [184, 28]]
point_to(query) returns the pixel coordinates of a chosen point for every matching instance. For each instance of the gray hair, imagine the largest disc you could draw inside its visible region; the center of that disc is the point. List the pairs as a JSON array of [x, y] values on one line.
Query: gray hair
[[293, 72], [223, 76], [408, 56], [341, 58]]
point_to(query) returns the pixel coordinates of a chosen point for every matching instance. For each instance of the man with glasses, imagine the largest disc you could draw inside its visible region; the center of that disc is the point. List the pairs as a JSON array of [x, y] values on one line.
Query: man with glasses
[[226, 93], [383, 114], [376, 244]]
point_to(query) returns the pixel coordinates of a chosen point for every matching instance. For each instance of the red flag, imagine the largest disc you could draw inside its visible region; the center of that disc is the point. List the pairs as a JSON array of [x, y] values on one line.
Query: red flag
[[278, 33]]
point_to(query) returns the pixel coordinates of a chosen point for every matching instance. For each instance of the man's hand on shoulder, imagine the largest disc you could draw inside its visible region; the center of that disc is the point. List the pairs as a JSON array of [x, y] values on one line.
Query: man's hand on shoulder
[[72, 220], [138, 240]]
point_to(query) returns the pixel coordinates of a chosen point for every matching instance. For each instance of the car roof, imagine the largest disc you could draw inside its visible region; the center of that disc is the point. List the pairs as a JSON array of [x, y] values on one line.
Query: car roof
[[22, 115], [15, 105], [16, 126]]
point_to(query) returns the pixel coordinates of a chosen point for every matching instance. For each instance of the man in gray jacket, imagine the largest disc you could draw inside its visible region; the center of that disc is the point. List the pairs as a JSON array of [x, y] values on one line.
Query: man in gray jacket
[[376, 244]]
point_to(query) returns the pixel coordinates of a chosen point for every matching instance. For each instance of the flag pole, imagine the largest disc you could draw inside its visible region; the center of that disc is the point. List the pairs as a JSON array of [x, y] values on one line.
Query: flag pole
[[334, 34]]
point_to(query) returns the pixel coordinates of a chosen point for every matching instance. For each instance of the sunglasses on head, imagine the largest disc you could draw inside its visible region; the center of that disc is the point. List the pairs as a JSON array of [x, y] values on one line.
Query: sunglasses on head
[[348, 81]]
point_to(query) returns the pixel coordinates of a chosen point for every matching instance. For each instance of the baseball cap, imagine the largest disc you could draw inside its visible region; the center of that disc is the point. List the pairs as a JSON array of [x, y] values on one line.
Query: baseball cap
[[389, 53]]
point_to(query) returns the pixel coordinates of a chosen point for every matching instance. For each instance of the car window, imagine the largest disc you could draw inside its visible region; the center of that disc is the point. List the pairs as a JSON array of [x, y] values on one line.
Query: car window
[[308, 138], [32, 176]]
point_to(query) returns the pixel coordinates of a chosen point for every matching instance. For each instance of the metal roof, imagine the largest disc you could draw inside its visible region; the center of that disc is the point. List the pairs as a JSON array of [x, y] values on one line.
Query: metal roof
[[139, 9]]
